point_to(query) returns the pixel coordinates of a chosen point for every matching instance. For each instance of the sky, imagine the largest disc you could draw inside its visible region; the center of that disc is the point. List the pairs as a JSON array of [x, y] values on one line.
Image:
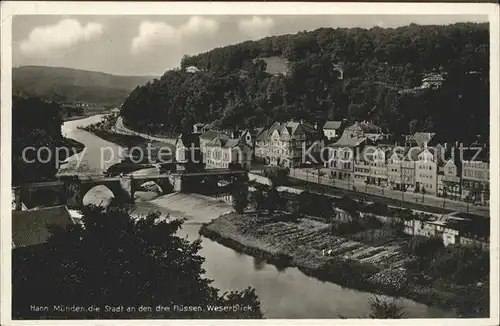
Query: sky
[[150, 45]]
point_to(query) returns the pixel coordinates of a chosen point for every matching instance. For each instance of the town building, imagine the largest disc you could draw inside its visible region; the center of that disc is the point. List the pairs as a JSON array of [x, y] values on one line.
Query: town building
[[262, 143], [192, 69], [454, 228], [188, 154], [341, 156], [370, 166], [426, 172], [332, 129], [364, 129], [286, 144], [208, 136], [395, 171], [449, 178], [224, 152], [476, 181]]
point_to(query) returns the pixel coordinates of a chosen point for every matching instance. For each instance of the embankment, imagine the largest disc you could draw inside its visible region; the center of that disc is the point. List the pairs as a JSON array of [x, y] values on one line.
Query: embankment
[[300, 244]]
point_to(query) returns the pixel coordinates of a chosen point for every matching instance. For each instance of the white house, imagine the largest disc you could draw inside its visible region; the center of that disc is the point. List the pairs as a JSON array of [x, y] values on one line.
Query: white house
[[331, 129]]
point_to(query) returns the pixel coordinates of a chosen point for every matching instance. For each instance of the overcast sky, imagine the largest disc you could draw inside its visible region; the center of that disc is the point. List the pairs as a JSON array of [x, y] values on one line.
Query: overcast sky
[[150, 45]]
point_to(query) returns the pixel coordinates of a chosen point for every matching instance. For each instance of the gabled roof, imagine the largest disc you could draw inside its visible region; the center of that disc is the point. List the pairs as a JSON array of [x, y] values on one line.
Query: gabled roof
[[225, 142], [332, 125], [210, 134], [30, 228], [349, 141]]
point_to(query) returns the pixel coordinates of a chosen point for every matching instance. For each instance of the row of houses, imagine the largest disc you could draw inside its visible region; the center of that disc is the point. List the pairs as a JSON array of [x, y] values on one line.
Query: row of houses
[[359, 153]]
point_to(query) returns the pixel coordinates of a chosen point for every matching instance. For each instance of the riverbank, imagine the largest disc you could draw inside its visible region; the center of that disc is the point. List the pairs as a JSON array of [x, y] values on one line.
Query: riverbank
[[355, 265]]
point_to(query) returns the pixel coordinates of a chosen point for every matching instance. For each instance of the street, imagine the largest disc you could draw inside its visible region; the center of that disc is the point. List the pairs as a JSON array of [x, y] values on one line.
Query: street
[[394, 197]]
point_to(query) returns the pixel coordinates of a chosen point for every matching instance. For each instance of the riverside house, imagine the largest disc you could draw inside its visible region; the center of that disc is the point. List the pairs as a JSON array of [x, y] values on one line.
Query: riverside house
[[426, 168], [364, 129], [332, 129], [476, 180], [395, 171], [448, 179], [370, 166], [224, 152], [453, 228]]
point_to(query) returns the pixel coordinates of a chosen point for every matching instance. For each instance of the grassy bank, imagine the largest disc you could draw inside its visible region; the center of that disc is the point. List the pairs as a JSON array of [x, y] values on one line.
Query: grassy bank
[[377, 269]]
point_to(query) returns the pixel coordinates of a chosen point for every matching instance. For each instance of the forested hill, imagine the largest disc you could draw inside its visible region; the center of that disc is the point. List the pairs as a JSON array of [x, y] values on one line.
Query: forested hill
[[73, 85], [378, 65]]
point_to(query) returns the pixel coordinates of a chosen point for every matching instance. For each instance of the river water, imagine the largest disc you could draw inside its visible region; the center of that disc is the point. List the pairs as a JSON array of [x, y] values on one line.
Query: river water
[[283, 293]]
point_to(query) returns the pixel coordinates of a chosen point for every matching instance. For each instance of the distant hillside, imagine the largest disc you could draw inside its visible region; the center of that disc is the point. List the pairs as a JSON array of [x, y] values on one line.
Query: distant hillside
[[73, 85]]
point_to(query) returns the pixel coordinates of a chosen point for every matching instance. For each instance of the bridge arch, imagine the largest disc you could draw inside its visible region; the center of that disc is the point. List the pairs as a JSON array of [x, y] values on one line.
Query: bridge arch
[[104, 196]]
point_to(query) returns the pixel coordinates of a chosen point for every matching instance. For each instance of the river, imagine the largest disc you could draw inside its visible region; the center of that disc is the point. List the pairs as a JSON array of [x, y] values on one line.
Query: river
[[284, 293]]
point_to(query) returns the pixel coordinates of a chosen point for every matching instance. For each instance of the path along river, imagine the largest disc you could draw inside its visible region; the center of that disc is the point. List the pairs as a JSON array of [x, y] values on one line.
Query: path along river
[[283, 293]]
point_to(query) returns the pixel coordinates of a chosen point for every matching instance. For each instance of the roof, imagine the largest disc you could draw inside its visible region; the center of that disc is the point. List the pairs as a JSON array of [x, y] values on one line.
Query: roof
[[192, 69], [30, 228], [411, 154], [467, 224], [226, 142], [332, 125], [349, 141], [367, 127], [209, 134]]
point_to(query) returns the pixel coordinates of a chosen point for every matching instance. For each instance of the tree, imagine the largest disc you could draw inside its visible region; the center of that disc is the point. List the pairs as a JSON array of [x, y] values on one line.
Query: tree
[[278, 175], [35, 124], [385, 309], [117, 260], [272, 200], [258, 200]]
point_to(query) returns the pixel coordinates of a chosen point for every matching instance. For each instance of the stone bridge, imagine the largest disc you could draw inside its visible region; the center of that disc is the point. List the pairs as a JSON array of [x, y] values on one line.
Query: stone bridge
[[70, 190]]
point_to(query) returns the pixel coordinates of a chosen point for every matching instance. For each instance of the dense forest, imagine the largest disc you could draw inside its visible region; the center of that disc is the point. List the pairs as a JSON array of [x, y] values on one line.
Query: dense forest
[[234, 87]]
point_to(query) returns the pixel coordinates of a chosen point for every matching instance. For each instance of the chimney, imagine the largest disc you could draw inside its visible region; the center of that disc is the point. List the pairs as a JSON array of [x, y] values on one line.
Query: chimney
[[300, 121], [315, 125]]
